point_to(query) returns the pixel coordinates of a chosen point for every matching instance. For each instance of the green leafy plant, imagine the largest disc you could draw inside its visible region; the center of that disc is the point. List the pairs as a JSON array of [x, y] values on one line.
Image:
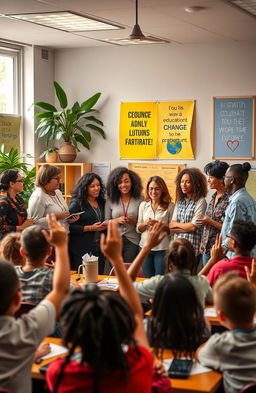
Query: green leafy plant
[[50, 150], [13, 160], [73, 124]]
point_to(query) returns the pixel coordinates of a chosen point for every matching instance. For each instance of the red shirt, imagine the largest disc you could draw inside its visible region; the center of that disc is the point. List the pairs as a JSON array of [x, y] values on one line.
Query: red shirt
[[236, 263], [78, 378]]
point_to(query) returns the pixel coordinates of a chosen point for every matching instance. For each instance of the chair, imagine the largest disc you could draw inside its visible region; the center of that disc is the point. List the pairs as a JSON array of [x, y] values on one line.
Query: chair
[[250, 388], [24, 308], [127, 265]]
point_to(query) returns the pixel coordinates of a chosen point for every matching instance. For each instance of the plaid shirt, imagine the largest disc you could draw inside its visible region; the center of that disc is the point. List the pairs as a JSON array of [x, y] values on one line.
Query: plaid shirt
[[217, 213], [186, 213], [37, 283]]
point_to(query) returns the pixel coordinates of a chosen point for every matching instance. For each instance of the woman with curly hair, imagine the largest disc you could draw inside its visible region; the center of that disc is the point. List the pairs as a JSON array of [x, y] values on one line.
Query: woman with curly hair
[[191, 190], [87, 196], [156, 207], [124, 197]]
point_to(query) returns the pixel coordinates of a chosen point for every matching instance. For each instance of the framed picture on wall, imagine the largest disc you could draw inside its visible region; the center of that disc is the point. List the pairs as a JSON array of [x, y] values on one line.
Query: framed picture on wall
[[234, 128]]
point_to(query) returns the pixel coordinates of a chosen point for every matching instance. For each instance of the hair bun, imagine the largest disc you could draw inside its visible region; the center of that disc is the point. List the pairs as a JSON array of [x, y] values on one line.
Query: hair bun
[[246, 166]]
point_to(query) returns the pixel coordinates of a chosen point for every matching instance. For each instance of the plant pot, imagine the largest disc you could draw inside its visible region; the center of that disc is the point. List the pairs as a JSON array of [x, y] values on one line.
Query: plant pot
[[51, 157], [67, 152]]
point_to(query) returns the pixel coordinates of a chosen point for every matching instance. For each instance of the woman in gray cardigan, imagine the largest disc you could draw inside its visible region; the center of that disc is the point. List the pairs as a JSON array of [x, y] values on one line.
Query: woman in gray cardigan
[[124, 197]]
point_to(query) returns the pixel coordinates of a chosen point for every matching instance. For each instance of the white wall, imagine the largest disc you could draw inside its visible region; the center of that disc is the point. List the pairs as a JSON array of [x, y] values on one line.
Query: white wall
[[156, 73]]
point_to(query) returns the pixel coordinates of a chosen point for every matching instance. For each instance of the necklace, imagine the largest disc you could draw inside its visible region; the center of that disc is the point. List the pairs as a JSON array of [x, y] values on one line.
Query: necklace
[[97, 212]]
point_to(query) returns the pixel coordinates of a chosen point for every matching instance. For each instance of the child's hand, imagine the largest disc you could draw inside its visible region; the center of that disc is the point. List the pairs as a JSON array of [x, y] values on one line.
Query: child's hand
[[111, 245], [155, 235], [216, 251], [42, 350], [159, 368], [251, 276], [58, 235]]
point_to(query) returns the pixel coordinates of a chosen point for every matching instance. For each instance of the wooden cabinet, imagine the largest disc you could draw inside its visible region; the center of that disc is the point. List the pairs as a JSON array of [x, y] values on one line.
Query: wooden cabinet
[[70, 173]]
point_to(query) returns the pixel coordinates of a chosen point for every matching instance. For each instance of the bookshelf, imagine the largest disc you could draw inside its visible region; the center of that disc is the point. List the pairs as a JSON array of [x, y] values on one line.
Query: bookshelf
[[70, 173]]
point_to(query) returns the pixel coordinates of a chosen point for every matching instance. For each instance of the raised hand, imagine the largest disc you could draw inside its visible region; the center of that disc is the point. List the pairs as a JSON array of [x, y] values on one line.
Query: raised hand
[[251, 275], [217, 252], [155, 234]]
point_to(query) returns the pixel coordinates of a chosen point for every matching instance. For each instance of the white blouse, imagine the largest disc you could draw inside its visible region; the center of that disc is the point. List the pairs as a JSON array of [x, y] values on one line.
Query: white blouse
[[146, 212]]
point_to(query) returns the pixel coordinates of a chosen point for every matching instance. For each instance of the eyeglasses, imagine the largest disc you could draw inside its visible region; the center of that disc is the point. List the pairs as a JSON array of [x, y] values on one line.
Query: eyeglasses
[[154, 189], [230, 237], [226, 177], [19, 181], [56, 178]]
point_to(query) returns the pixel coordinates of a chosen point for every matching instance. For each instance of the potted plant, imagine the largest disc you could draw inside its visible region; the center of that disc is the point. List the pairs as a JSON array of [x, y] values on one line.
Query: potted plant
[[13, 160], [72, 124], [51, 155]]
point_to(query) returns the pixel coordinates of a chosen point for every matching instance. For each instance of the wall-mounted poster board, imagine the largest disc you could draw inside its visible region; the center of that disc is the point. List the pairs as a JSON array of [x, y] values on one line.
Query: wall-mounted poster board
[[167, 171], [233, 127], [10, 131], [251, 182]]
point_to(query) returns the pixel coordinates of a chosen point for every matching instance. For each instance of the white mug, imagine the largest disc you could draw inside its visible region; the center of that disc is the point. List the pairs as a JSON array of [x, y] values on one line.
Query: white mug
[[89, 270]]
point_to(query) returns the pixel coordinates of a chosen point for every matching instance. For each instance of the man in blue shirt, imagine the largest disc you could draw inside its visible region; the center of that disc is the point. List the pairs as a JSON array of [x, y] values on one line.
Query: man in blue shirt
[[241, 205]]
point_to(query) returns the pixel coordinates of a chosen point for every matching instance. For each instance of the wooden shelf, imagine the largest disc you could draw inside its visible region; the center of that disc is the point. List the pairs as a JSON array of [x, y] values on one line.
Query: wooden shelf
[[70, 173]]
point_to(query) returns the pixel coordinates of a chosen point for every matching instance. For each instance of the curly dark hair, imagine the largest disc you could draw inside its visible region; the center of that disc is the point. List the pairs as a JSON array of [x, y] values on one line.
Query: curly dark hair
[[80, 191], [6, 177], [177, 321], [100, 322], [165, 198], [244, 233], [199, 184], [216, 168], [114, 178]]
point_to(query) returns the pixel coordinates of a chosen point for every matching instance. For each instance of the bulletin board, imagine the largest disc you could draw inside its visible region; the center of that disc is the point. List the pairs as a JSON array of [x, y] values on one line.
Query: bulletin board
[[167, 171], [234, 127], [251, 182]]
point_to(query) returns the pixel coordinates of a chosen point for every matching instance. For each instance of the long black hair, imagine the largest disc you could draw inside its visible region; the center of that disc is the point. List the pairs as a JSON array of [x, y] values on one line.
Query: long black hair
[[100, 323], [177, 321], [114, 178], [80, 191]]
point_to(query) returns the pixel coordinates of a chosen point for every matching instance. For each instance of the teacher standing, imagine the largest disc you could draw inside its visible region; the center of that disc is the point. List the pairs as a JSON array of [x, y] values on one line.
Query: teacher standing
[[87, 196]]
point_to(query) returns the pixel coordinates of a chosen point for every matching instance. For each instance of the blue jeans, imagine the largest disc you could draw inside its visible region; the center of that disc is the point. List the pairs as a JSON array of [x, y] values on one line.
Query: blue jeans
[[206, 258], [154, 263]]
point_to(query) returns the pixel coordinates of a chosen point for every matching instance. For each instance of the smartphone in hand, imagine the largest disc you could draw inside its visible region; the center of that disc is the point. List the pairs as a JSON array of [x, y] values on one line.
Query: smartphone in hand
[[180, 368]]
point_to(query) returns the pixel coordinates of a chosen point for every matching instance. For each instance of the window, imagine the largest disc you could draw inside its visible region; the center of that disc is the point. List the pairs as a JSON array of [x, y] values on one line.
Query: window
[[10, 80]]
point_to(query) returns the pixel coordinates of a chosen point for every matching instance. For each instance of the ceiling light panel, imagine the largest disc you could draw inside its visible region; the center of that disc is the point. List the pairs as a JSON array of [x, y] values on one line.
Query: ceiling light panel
[[247, 5], [67, 21]]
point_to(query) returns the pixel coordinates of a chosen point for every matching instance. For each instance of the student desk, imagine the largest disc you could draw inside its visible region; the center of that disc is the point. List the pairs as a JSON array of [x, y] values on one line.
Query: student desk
[[201, 383]]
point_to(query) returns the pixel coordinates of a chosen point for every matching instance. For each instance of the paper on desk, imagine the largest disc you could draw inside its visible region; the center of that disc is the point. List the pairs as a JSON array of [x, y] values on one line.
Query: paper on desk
[[197, 368], [210, 312], [56, 350]]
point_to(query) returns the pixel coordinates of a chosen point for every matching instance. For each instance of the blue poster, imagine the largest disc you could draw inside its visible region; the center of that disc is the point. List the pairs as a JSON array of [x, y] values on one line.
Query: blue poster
[[233, 128]]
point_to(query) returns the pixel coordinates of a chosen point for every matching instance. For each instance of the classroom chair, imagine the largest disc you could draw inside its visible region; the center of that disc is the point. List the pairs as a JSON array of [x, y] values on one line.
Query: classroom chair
[[112, 271], [250, 388], [24, 308]]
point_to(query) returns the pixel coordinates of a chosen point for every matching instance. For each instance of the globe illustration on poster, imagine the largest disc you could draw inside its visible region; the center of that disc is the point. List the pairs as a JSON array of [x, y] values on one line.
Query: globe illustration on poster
[[174, 147]]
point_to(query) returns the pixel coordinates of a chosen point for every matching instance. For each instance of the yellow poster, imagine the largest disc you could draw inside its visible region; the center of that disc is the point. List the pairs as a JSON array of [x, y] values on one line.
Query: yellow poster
[[250, 184], [10, 132], [137, 133], [175, 130]]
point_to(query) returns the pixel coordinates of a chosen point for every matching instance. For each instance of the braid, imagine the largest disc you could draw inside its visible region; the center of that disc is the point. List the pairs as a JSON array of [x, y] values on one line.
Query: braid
[[100, 323]]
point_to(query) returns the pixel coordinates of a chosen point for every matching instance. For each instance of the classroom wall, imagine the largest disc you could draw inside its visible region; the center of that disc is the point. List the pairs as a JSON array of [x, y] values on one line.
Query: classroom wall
[[156, 73]]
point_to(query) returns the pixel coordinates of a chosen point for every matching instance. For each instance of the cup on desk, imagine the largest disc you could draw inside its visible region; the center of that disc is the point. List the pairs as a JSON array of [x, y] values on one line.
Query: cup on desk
[[89, 270]]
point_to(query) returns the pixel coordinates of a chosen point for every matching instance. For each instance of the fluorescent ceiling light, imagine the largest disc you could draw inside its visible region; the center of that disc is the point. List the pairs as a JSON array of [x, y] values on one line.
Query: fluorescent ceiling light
[[246, 5], [128, 41], [67, 21]]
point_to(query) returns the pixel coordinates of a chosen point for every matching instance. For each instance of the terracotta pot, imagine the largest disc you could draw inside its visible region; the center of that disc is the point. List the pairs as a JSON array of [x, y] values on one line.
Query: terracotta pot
[[51, 157], [67, 152]]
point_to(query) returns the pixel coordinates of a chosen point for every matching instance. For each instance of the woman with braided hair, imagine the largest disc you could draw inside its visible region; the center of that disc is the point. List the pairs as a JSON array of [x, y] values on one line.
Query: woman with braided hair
[[107, 327]]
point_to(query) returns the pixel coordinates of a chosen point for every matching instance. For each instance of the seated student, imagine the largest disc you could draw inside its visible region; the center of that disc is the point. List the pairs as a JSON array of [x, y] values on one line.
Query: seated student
[[180, 257], [20, 337], [241, 241], [35, 276], [10, 249], [107, 327], [233, 352], [177, 321]]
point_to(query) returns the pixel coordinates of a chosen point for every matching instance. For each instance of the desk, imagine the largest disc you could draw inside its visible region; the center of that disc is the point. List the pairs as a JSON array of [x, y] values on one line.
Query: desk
[[78, 277], [214, 320], [201, 383]]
